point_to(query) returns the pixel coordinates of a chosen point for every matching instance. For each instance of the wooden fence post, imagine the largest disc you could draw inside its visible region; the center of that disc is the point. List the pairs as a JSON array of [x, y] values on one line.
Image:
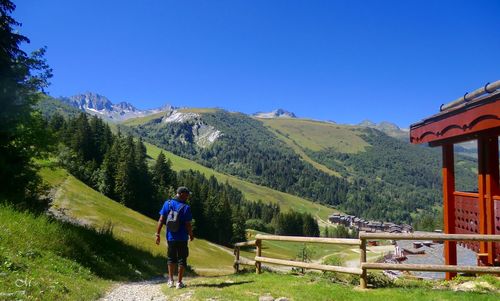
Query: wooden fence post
[[237, 259], [258, 253], [362, 260]]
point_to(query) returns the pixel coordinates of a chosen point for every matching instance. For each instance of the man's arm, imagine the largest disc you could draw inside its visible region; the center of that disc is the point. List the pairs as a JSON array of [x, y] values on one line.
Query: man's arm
[[161, 221], [189, 228]]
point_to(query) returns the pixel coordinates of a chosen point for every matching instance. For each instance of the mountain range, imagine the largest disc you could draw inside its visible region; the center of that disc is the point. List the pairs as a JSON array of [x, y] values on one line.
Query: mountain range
[[101, 106], [96, 104]]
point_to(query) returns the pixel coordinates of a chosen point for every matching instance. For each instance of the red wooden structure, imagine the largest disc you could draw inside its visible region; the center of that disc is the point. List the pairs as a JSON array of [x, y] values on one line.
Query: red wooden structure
[[468, 212]]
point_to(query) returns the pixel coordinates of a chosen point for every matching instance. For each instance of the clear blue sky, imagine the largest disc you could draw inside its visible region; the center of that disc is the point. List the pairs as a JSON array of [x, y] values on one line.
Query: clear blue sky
[[338, 60]]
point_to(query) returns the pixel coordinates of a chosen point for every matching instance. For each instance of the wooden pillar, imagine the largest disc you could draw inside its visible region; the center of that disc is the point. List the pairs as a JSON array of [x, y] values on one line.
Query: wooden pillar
[[450, 247], [482, 146], [236, 259], [492, 189], [362, 260], [258, 253]]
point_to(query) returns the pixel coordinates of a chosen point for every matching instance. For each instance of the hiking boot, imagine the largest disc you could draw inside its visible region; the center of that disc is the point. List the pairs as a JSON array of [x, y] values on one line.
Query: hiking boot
[[180, 285], [170, 284]]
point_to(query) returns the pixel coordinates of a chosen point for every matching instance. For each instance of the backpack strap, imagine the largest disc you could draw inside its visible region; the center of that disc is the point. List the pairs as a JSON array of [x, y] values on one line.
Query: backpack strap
[[171, 208], [181, 207]]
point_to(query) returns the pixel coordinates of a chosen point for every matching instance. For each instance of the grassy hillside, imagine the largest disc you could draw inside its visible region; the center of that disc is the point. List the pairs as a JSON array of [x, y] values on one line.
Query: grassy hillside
[[42, 259], [198, 110], [141, 120], [304, 134], [89, 207], [316, 135], [251, 191]]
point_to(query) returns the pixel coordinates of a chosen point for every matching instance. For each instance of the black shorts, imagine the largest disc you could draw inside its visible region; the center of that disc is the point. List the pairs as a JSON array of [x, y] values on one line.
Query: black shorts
[[177, 252]]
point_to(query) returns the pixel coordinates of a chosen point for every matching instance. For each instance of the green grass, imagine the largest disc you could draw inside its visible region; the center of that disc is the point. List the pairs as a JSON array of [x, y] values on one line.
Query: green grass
[[302, 154], [251, 191], [88, 206], [249, 286], [317, 136], [46, 259], [142, 120]]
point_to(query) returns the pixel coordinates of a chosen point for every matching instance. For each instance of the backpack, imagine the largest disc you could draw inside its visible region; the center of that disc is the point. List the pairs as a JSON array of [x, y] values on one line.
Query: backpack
[[173, 220]]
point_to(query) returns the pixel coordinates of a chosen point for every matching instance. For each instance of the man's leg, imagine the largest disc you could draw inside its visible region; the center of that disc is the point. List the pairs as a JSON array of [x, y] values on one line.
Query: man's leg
[[182, 255], [181, 272], [171, 271], [171, 260]]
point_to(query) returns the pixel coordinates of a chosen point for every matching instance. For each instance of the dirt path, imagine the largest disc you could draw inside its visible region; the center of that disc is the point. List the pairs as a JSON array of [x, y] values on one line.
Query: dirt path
[[137, 291]]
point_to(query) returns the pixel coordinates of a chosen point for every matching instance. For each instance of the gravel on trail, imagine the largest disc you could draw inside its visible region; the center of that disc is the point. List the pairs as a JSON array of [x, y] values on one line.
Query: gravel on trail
[[137, 291]]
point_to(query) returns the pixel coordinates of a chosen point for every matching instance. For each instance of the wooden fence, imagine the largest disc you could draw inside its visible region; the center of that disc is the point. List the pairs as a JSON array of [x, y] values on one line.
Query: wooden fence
[[361, 243]]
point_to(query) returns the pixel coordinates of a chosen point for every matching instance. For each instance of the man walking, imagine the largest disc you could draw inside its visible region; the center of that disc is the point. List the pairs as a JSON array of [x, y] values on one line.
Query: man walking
[[177, 214]]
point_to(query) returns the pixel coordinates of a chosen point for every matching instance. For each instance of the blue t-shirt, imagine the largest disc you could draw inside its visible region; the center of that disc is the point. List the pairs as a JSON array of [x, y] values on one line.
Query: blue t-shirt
[[184, 216]]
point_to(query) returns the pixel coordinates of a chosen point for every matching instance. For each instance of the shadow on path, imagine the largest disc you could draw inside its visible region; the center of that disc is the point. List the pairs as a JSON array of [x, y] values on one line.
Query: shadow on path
[[220, 285]]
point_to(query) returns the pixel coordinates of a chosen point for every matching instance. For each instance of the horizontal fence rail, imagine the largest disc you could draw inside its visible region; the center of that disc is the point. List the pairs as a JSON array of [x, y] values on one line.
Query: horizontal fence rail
[[307, 265], [423, 267], [245, 243], [430, 236], [260, 259], [430, 268], [361, 243], [324, 240]]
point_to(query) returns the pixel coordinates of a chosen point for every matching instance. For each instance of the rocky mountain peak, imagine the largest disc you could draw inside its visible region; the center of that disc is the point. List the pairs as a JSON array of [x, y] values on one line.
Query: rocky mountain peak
[[386, 125], [278, 113], [101, 106], [126, 106], [367, 123], [90, 100]]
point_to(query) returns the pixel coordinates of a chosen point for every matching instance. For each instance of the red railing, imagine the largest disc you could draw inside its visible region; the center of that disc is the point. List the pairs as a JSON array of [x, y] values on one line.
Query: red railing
[[496, 209], [467, 217]]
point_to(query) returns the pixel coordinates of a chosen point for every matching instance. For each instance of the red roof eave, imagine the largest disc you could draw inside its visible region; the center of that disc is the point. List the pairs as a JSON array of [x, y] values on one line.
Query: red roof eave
[[460, 124]]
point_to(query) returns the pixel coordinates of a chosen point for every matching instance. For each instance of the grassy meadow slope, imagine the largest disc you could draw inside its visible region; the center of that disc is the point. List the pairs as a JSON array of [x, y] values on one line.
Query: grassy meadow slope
[[251, 191], [141, 120], [298, 140], [80, 202], [310, 135], [317, 135]]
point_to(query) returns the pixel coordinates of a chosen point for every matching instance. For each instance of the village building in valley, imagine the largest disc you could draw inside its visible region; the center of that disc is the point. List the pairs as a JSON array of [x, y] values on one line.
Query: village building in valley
[[360, 224]]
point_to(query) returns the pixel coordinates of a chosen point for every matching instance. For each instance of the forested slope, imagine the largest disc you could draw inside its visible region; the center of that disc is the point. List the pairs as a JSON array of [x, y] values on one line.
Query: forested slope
[[360, 170]]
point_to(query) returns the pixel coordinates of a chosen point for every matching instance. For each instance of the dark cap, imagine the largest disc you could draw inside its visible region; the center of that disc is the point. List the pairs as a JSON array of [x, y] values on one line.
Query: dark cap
[[183, 189]]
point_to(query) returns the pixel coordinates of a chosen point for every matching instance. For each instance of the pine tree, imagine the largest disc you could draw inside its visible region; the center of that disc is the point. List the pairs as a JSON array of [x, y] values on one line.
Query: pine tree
[[23, 134], [239, 231], [81, 138], [124, 181], [142, 181], [163, 178], [107, 172]]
